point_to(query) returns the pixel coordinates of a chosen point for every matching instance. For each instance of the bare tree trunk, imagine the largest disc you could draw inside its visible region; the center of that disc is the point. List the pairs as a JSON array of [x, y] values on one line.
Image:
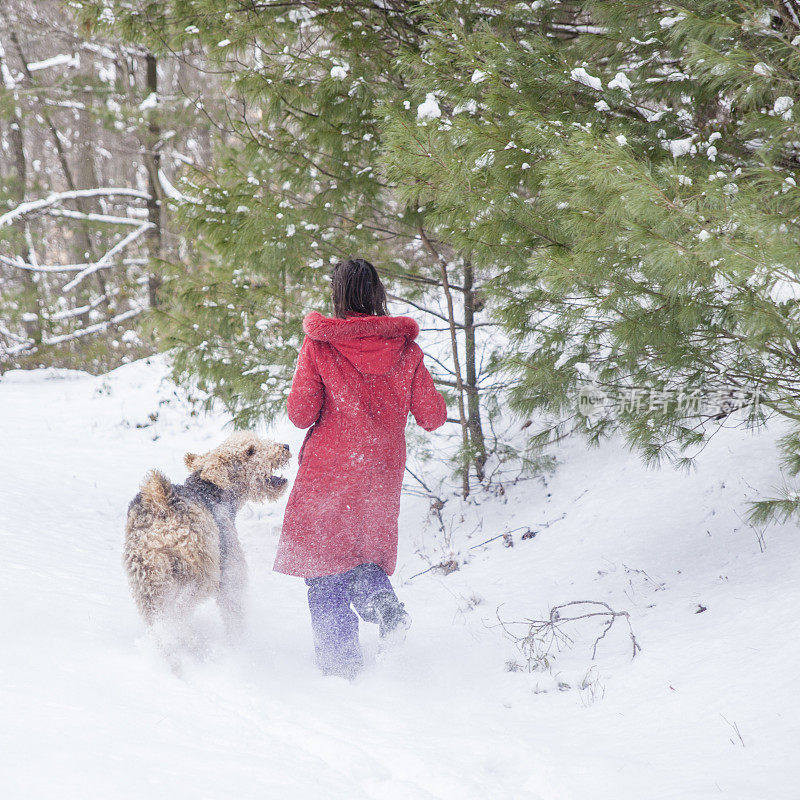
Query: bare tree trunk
[[152, 157], [473, 401], [84, 240], [459, 384], [462, 414], [32, 320], [87, 177]]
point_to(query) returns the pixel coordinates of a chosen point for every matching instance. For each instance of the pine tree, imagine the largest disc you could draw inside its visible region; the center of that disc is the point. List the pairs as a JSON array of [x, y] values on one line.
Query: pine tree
[[297, 187], [628, 172], [614, 182]]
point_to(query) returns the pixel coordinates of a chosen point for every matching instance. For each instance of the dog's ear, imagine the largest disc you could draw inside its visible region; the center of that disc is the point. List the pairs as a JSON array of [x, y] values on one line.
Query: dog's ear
[[192, 461], [216, 472]]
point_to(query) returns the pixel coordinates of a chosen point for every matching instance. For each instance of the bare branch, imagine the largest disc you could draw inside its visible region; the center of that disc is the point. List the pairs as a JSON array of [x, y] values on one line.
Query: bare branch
[[107, 259], [34, 206], [97, 328], [543, 635]]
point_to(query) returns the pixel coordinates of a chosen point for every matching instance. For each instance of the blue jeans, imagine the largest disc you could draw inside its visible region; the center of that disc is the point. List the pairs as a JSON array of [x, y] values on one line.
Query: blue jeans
[[334, 624]]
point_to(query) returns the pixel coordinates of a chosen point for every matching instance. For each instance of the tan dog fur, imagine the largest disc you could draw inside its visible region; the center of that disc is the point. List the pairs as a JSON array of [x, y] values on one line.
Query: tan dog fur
[[181, 545]]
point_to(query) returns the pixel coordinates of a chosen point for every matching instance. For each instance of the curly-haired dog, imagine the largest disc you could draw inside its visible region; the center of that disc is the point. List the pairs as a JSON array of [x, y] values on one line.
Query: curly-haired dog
[[181, 545]]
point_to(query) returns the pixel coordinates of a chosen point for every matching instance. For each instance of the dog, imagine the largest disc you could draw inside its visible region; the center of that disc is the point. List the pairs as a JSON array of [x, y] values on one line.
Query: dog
[[181, 545]]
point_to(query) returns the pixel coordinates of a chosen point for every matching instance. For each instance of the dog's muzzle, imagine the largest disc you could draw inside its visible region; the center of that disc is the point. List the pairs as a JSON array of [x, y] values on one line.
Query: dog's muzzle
[[276, 482]]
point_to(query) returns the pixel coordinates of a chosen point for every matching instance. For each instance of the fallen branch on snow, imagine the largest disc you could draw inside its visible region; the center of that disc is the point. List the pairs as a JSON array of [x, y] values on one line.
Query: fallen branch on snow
[[543, 635]]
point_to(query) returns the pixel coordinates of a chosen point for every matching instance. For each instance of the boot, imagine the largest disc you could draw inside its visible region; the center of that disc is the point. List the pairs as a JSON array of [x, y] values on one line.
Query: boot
[[392, 616]]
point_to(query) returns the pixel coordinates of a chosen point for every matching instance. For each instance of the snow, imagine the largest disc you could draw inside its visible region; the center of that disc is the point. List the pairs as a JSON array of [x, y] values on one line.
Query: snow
[[88, 707], [783, 107], [484, 160], [302, 15], [668, 22], [339, 71], [151, 101], [171, 191], [130, 337], [55, 198], [5, 73], [650, 115], [63, 60], [784, 291], [478, 76], [429, 109], [470, 106], [680, 147], [580, 75], [620, 81]]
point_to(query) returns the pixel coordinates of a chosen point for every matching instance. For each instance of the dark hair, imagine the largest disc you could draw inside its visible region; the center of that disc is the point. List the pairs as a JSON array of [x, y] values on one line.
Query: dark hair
[[357, 289]]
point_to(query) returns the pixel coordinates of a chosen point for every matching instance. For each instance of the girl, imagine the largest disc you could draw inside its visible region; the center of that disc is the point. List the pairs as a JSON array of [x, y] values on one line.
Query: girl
[[358, 375]]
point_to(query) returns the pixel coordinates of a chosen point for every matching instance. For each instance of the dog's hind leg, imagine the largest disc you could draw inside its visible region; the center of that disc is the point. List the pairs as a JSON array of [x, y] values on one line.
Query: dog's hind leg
[[172, 627], [168, 643]]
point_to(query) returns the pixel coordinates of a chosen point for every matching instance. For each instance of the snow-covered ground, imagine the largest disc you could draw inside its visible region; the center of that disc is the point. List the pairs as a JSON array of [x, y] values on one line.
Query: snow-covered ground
[[708, 709]]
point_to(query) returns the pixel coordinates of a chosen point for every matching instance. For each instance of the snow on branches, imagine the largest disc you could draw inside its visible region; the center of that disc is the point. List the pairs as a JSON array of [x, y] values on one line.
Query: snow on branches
[[56, 205], [51, 205]]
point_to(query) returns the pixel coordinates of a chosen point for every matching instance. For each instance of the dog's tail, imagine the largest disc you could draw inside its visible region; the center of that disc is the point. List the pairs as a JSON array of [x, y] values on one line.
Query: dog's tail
[[157, 493]]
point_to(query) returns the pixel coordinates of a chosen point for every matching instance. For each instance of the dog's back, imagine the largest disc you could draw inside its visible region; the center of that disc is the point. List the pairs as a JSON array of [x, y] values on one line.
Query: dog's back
[[171, 547]]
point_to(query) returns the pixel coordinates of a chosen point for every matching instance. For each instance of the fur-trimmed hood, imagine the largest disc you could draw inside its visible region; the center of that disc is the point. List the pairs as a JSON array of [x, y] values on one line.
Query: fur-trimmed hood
[[333, 329], [372, 344]]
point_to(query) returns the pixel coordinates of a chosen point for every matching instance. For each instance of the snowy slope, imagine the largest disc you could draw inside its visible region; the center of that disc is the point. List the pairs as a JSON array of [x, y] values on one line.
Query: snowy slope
[[88, 709]]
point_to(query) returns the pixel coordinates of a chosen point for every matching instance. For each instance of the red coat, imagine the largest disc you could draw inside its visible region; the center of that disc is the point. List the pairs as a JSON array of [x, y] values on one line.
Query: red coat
[[355, 383]]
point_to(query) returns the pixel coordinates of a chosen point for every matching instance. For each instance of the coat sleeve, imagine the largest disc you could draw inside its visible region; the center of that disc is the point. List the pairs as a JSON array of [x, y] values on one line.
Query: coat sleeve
[[427, 404], [307, 394]]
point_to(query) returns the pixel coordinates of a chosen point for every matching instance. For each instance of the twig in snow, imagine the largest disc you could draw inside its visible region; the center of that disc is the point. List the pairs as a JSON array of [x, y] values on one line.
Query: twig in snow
[[543, 635], [735, 729], [424, 572], [445, 567], [437, 504], [499, 536], [532, 530], [657, 586], [759, 532]]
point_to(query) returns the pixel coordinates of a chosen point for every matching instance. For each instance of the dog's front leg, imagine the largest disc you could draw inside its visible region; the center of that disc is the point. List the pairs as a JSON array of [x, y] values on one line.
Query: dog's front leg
[[232, 584]]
